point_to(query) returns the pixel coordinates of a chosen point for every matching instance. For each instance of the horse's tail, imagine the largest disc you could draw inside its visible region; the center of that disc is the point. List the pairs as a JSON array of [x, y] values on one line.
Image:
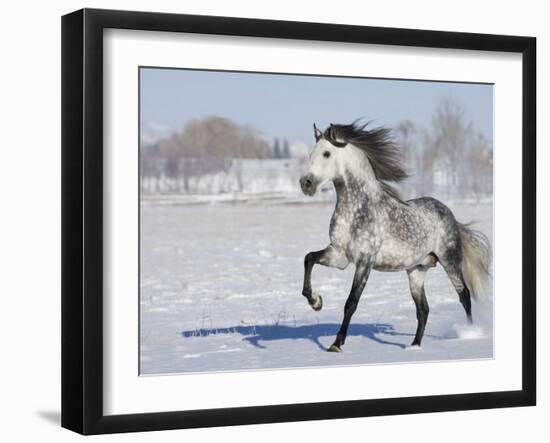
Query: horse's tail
[[476, 260]]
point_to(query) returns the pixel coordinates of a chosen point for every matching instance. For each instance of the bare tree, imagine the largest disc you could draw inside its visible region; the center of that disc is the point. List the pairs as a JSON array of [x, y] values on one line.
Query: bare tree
[[407, 137], [480, 166], [276, 149], [286, 149], [450, 156]]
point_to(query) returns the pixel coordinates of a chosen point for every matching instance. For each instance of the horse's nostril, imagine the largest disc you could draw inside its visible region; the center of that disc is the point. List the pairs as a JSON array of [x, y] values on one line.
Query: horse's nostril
[[307, 182]]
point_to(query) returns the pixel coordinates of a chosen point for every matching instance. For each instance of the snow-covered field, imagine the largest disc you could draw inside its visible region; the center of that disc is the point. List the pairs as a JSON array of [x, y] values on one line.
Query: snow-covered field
[[221, 290]]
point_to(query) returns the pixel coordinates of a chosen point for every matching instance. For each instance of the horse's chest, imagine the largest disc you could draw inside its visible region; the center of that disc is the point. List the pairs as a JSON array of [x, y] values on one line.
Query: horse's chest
[[340, 232], [352, 234]]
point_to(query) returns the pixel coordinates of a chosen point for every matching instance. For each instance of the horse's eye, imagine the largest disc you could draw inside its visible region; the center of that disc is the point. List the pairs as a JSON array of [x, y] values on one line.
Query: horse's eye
[[326, 154]]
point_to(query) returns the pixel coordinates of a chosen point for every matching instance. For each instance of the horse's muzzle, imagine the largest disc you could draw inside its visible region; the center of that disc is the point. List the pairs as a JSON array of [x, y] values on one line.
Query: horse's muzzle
[[308, 184]]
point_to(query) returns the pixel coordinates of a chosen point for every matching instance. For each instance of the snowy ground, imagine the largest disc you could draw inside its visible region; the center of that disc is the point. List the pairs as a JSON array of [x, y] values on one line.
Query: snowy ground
[[221, 290]]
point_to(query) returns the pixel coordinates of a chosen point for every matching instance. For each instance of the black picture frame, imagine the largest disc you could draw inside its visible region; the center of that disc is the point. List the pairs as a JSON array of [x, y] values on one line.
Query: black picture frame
[[82, 220]]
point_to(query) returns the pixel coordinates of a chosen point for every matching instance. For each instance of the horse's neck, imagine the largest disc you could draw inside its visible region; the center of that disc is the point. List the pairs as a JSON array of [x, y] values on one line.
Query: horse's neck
[[357, 193]]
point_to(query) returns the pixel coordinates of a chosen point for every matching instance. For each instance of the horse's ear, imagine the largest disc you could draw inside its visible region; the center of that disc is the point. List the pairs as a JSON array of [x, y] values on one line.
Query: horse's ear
[[332, 132], [318, 134]]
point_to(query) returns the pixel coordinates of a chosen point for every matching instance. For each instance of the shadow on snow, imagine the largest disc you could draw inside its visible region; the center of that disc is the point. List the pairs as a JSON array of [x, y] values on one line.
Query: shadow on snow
[[256, 334]]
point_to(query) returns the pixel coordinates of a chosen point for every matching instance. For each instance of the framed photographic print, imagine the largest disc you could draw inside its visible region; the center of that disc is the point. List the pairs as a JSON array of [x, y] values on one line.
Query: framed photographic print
[[269, 221]]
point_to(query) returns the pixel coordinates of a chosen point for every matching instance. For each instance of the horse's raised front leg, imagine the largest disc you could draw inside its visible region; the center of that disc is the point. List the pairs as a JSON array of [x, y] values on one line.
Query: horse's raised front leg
[[362, 271], [330, 256]]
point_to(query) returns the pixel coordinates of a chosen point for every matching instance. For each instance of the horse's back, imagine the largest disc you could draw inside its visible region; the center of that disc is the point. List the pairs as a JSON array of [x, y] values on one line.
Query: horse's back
[[418, 220], [433, 207]]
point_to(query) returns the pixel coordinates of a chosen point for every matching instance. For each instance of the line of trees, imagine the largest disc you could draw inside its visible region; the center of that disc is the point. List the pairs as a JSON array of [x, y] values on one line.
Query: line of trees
[[203, 147], [448, 158]]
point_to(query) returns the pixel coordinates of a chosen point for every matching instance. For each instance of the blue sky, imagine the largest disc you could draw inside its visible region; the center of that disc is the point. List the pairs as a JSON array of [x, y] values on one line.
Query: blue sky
[[287, 105]]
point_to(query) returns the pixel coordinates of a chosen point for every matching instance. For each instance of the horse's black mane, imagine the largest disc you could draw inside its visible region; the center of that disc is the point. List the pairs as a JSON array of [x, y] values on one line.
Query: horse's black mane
[[379, 147]]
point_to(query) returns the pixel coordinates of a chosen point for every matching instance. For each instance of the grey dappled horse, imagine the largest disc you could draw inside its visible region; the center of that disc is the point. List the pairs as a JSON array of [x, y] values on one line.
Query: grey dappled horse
[[374, 229]]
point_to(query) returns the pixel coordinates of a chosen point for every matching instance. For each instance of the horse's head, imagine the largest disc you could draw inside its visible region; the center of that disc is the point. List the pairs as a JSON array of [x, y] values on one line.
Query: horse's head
[[370, 156], [325, 161]]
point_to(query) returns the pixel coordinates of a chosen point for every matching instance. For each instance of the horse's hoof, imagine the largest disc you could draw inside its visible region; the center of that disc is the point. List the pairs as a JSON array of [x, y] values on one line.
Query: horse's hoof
[[334, 348], [317, 305]]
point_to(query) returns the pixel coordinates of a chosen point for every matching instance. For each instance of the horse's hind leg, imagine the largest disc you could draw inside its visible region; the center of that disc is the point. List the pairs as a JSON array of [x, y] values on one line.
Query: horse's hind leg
[[463, 293], [416, 284], [454, 271]]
